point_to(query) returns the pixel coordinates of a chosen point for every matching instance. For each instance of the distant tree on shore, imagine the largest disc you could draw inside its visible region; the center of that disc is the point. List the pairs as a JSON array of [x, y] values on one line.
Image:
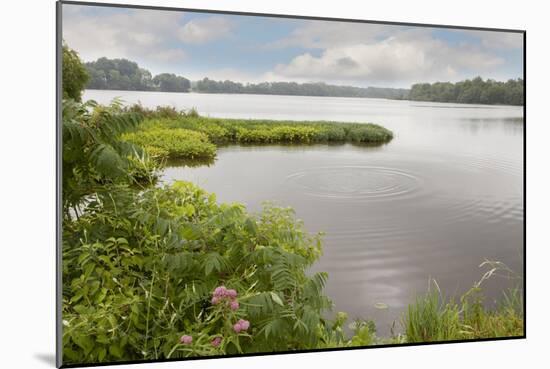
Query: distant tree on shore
[[300, 89], [171, 83], [475, 91], [123, 74]]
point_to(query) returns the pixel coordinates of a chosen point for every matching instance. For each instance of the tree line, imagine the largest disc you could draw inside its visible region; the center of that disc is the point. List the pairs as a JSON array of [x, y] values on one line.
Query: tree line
[[123, 74], [474, 91], [298, 89]]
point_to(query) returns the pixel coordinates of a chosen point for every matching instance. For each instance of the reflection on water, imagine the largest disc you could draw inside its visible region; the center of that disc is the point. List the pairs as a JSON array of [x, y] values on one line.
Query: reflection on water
[[445, 194]]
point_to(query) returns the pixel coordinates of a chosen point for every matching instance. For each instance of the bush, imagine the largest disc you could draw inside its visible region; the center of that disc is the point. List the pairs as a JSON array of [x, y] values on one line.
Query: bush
[[74, 74], [140, 269]]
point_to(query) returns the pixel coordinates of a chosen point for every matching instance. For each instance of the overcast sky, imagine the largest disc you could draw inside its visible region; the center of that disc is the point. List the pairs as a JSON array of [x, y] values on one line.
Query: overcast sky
[[255, 49]]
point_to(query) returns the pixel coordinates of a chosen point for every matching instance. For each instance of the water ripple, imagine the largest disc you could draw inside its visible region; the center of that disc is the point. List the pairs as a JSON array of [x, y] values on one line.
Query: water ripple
[[354, 182]]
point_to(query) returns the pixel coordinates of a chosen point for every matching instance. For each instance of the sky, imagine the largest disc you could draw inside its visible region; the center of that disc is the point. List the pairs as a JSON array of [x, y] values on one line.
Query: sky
[[256, 49]]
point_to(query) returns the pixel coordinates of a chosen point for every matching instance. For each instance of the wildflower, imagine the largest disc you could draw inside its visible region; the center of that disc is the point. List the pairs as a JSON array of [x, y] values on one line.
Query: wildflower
[[215, 300], [231, 293], [244, 324], [234, 305], [186, 340], [237, 328], [220, 291], [241, 325], [216, 341]]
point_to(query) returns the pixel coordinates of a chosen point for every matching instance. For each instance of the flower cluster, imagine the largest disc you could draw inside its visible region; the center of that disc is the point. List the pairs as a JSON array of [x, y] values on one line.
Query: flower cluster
[[216, 341], [241, 325], [222, 294], [186, 340]]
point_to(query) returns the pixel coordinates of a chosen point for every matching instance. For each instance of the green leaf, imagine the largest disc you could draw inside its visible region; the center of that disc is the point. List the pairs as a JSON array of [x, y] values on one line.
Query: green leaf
[[115, 350], [276, 299]]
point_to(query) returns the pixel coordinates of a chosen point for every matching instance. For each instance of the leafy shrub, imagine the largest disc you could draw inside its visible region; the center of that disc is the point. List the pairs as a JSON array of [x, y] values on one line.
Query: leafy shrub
[[176, 142], [74, 74], [140, 268], [93, 154]]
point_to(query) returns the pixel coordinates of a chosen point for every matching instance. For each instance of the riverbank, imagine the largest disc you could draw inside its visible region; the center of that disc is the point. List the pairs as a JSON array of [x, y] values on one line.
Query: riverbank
[[167, 133], [166, 272]]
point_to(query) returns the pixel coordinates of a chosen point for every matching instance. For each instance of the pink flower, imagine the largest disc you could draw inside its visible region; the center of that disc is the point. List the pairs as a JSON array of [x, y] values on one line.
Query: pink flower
[[241, 325], [245, 324], [186, 340], [216, 341], [215, 300], [220, 291], [231, 293], [237, 327], [234, 305]]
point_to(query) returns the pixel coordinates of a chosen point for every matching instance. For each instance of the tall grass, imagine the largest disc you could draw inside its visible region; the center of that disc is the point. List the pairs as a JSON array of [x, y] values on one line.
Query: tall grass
[[432, 317]]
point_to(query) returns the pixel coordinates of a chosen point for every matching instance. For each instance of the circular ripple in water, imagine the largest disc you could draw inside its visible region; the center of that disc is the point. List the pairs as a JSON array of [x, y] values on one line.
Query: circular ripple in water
[[354, 182]]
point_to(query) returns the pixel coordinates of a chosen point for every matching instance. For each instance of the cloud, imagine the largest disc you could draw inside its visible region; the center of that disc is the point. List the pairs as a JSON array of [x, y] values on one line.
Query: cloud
[[501, 40], [199, 31], [324, 34], [138, 35], [405, 55], [155, 39]]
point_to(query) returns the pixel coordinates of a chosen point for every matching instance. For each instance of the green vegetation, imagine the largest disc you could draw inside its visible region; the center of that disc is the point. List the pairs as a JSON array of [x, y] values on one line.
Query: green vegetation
[[122, 74], [298, 89], [174, 143], [188, 135], [475, 91], [433, 318], [140, 264], [73, 73]]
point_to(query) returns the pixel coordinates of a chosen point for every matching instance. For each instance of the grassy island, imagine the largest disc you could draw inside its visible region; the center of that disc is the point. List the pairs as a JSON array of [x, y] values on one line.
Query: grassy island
[[169, 133]]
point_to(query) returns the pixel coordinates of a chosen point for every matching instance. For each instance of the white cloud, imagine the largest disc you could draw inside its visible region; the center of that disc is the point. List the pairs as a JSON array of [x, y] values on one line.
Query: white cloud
[[138, 35], [323, 34], [154, 39], [199, 31], [406, 55]]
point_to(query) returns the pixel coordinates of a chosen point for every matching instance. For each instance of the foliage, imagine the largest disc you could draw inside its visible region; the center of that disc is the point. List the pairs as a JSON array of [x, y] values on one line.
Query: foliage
[[176, 143], [188, 135], [140, 267], [74, 75], [169, 82], [433, 318], [298, 89], [93, 154], [123, 74], [475, 91]]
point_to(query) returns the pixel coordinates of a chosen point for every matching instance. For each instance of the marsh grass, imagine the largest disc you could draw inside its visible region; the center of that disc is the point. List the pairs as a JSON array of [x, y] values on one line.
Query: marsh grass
[[433, 317], [168, 133]]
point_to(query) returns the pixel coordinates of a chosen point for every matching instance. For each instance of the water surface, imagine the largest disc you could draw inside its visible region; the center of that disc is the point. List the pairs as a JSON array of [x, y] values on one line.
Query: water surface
[[445, 194]]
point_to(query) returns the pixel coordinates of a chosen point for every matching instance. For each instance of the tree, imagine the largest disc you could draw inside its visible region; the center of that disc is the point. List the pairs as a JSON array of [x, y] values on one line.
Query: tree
[[74, 75], [171, 83], [475, 91]]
